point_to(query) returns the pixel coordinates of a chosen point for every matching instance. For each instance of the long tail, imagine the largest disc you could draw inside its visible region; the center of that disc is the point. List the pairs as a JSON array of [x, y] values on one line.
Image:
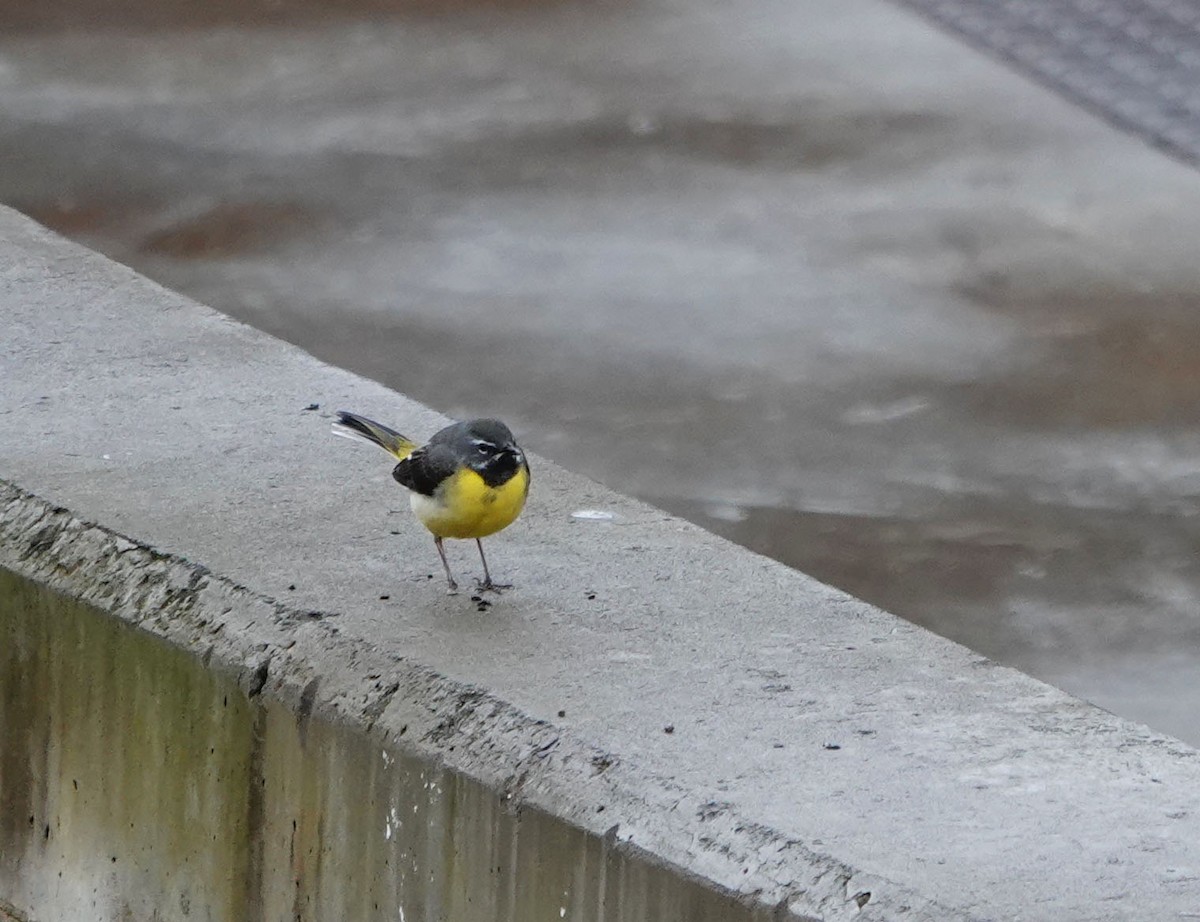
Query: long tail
[[361, 429]]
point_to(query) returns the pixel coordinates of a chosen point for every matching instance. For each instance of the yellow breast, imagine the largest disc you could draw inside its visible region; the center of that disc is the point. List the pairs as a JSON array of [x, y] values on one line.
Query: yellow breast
[[464, 506]]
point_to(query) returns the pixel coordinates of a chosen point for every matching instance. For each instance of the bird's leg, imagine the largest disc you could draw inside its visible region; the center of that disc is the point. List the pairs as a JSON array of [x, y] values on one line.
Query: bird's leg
[[486, 584], [453, 586]]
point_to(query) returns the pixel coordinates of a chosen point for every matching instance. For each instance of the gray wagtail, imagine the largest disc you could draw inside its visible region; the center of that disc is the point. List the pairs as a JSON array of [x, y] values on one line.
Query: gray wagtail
[[469, 481]]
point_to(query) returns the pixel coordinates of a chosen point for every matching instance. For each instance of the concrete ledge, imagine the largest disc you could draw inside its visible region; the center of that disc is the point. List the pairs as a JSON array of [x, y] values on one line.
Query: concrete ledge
[[301, 659], [158, 462]]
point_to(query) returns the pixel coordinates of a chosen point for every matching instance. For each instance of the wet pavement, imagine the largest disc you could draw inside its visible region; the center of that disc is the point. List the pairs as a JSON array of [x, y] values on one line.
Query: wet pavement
[[1133, 62], [812, 274]]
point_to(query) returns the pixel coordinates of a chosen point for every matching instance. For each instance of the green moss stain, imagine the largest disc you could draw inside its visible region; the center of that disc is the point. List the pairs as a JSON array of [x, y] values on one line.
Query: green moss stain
[[137, 784]]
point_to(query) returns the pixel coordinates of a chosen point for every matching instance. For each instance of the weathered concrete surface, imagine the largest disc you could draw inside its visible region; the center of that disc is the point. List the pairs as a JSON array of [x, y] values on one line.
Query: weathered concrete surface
[[808, 271], [953, 780], [137, 783]]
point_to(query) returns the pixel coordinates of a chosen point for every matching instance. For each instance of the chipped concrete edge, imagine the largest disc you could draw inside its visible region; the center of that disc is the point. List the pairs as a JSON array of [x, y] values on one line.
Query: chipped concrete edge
[[275, 649], [9, 913]]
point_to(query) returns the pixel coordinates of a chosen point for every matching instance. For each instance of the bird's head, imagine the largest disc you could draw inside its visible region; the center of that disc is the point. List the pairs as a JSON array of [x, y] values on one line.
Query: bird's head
[[493, 449]]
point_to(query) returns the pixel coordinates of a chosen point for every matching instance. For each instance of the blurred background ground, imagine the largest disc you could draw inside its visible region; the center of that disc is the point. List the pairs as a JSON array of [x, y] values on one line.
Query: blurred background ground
[[810, 273]]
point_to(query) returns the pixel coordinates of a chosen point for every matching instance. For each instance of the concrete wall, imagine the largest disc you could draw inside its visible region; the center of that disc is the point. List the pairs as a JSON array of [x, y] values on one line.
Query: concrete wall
[[139, 784], [825, 759]]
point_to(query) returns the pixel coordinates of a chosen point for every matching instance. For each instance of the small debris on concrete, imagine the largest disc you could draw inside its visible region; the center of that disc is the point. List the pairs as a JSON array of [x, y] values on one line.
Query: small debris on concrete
[[592, 515], [832, 746], [562, 713], [669, 728], [292, 587], [384, 598], [312, 406]]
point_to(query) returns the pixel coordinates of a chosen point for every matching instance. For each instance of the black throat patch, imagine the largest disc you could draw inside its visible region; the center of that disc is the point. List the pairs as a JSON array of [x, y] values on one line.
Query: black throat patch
[[498, 469]]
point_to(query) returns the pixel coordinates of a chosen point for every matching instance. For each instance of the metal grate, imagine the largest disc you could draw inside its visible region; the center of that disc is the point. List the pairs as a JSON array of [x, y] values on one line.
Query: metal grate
[[1133, 62]]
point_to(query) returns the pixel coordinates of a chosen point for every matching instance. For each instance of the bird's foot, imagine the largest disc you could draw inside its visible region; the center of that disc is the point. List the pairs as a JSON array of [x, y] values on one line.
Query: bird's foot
[[486, 585], [451, 587]]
